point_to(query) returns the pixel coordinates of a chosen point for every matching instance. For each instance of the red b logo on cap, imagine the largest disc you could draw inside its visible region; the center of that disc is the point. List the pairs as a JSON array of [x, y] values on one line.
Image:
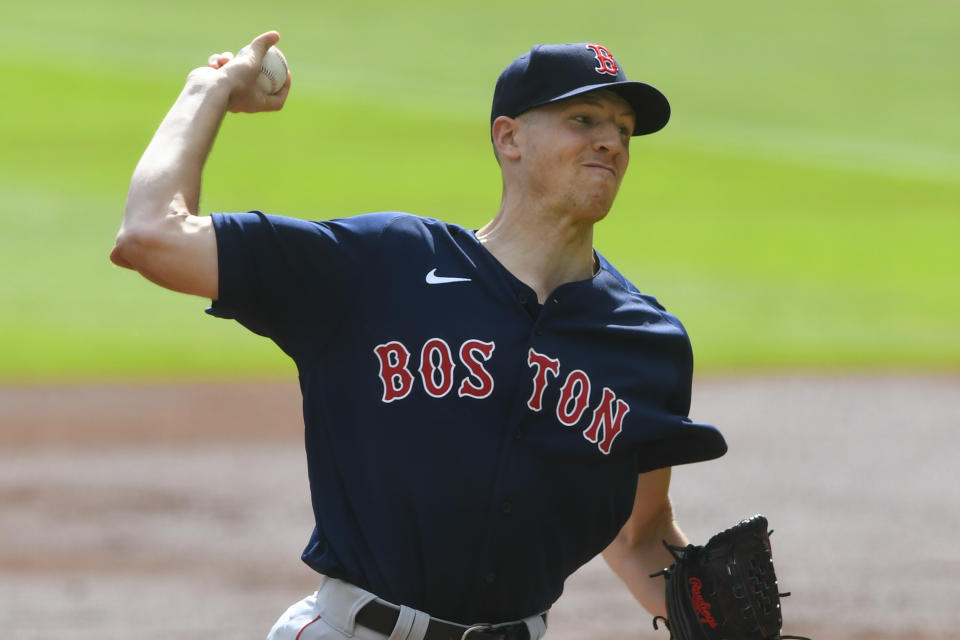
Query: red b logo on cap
[[604, 59]]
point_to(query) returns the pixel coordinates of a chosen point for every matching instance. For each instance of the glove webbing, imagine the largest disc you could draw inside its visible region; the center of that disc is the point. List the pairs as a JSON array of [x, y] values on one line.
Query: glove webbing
[[686, 558]]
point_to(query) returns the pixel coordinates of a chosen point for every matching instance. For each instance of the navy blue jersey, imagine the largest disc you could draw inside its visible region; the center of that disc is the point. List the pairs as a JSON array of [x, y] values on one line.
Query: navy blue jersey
[[467, 449]]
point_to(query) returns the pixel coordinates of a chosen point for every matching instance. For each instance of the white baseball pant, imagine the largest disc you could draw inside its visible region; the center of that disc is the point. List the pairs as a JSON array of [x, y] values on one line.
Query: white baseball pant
[[330, 614]]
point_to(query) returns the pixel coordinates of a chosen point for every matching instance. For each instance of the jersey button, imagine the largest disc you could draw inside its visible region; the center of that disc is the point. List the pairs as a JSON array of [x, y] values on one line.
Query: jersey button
[[506, 507], [522, 298], [539, 331], [491, 577]]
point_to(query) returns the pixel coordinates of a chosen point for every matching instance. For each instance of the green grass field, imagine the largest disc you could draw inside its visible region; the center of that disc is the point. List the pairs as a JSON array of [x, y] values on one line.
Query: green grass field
[[801, 210]]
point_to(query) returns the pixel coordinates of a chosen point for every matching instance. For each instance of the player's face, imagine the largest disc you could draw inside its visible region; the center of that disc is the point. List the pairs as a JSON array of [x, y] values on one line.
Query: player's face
[[575, 152]]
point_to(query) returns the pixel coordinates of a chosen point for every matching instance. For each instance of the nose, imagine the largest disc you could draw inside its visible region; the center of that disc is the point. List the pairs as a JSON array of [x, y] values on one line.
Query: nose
[[609, 139]]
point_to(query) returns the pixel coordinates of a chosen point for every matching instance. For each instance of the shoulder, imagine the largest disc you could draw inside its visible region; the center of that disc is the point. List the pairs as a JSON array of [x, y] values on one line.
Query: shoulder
[[392, 235], [408, 224], [626, 290], [405, 232], [372, 223], [383, 223]]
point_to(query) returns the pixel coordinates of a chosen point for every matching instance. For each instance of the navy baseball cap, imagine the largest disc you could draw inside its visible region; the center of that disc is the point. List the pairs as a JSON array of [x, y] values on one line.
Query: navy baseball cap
[[552, 72]]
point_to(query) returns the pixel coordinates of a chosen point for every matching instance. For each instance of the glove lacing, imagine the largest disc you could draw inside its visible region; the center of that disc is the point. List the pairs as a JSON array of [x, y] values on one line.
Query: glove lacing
[[675, 552]]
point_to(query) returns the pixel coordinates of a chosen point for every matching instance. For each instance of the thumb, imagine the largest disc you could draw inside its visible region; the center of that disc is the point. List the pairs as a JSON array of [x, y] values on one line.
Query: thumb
[[260, 44]]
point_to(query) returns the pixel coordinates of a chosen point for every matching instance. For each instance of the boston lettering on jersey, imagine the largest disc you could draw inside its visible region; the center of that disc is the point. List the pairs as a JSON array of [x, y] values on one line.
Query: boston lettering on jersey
[[436, 374]]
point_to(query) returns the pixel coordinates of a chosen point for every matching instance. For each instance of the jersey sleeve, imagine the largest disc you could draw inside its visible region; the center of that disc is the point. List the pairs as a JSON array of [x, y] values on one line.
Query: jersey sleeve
[[674, 438], [290, 279], [685, 440]]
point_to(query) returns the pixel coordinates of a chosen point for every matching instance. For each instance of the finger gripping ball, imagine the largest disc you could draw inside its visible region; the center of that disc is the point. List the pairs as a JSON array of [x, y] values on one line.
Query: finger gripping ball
[[273, 70]]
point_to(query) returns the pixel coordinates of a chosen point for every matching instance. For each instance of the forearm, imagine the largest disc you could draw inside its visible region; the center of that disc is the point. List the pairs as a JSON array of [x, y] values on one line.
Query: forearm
[[161, 236], [167, 178], [635, 555]]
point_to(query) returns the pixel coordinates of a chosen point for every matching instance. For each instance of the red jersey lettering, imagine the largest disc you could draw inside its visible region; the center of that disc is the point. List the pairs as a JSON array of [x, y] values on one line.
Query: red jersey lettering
[[437, 376], [479, 384], [574, 397], [606, 420], [543, 365], [397, 380], [436, 373]]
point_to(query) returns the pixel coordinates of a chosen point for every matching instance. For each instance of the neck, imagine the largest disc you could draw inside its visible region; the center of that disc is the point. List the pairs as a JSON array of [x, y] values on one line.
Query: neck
[[543, 249]]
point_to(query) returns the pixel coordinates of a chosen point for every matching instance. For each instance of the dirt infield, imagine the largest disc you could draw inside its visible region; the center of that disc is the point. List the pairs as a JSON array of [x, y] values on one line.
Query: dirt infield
[[179, 512]]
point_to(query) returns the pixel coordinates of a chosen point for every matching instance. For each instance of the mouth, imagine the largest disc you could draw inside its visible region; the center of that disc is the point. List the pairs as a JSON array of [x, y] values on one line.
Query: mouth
[[599, 165]]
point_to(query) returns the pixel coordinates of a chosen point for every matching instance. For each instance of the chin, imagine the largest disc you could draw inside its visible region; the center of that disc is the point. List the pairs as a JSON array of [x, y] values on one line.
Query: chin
[[598, 206], [590, 203], [592, 212]]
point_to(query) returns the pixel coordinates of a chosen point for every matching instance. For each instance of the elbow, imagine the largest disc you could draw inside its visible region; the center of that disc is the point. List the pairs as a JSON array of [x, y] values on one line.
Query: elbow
[[650, 527], [628, 540], [144, 229], [117, 254], [131, 246]]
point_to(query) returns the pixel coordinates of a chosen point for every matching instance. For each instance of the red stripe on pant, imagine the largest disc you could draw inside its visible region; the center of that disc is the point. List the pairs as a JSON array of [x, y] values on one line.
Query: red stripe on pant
[[303, 628]]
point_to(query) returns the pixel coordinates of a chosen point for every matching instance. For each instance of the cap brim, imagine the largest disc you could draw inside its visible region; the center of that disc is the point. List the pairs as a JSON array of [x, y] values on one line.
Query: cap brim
[[650, 106]]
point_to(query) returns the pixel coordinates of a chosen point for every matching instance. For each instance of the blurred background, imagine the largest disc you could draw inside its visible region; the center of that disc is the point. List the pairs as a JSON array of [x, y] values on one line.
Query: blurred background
[[800, 210], [799, 214]]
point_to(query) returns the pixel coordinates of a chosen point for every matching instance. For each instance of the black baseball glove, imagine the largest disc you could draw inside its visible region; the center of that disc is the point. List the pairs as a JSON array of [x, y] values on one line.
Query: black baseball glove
[[726, 590]]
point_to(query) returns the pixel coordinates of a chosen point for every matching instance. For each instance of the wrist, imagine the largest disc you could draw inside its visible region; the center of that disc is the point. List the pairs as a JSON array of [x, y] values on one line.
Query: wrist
[[207, 81]]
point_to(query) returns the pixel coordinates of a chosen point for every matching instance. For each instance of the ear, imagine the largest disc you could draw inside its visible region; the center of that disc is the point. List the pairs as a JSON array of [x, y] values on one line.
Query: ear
[[505, 136]]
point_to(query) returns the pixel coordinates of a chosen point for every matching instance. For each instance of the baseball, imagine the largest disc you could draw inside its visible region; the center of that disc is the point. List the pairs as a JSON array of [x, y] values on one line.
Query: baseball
[[273, 70]]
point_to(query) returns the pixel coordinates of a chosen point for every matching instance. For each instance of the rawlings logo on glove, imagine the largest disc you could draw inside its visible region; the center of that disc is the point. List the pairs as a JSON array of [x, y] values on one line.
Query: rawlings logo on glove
[[726, 589], [700, 606]]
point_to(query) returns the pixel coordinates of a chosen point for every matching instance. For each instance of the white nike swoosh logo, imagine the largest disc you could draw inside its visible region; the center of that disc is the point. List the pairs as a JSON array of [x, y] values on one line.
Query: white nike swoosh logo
[[433, 278]]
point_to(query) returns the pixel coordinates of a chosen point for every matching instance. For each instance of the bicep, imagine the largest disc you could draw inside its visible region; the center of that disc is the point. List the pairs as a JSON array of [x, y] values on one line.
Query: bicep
[[178, 252]]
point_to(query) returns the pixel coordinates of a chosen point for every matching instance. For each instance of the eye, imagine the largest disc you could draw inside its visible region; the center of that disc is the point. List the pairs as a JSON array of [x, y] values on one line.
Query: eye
[[582, 119]]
